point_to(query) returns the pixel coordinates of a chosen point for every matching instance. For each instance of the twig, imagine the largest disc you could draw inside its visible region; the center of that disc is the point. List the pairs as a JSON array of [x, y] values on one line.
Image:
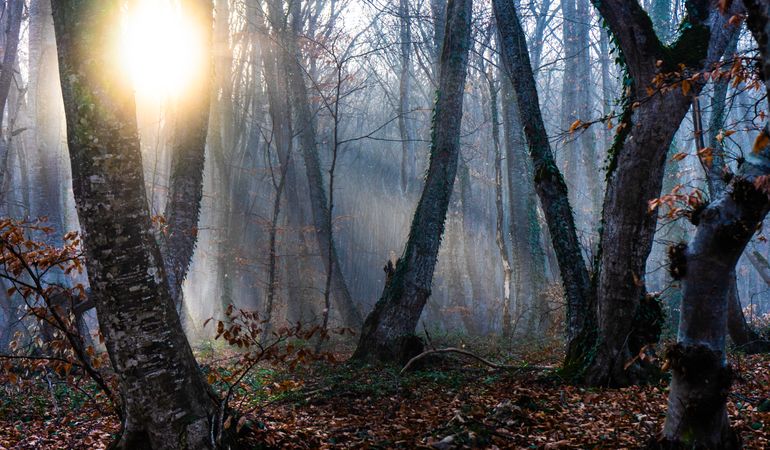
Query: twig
[[476, 357]]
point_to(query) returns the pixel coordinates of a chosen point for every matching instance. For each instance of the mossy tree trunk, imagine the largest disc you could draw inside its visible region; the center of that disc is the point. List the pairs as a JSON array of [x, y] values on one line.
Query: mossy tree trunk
[[167, 403], [388, 332], [636, 168]]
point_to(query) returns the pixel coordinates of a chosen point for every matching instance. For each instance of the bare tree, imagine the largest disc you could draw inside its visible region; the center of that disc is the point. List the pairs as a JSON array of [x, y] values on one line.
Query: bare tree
[[12, 27], [388, 331]]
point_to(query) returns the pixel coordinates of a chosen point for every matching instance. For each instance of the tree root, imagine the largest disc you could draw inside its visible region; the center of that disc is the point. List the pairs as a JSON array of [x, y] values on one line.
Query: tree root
[[474, 356]]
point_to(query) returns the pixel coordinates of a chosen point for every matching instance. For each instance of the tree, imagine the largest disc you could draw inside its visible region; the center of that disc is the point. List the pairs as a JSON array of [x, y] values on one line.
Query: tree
[[404, 123], [188, 153], [167, 403], [636, 164], [502, 244], [388, 332], [305, 126], [549, 183], [13, 25], [581, 159], [701, 377]]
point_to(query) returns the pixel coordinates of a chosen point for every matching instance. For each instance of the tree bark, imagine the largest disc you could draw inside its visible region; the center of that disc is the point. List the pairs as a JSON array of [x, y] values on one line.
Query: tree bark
[[388, 333], [697, 414], [167, 403]]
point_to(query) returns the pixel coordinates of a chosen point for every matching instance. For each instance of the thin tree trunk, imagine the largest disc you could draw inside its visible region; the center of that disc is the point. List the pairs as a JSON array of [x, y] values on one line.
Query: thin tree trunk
[[298, 94], [388, 333], [405, 92], [12, 27], [167, 403], [188, 154], [549, 182], [502, 244], [300, 307], [478, 296]]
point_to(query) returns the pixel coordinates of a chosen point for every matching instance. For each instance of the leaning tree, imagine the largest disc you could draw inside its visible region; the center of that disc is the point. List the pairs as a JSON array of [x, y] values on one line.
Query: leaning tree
[[166, 401], [388, 332]]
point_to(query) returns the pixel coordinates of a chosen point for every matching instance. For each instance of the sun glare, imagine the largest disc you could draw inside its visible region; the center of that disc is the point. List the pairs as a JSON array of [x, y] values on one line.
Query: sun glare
[[161, 48]]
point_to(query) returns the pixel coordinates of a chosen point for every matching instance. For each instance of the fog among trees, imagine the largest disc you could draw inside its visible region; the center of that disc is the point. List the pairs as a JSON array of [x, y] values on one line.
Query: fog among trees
[[374, 224]]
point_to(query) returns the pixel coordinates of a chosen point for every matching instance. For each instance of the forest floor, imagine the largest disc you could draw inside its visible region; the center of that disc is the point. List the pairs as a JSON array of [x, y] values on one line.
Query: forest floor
[[455, 404]]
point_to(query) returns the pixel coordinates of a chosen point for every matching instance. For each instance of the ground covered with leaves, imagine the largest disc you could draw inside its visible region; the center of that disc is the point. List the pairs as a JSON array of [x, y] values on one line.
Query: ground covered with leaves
[[450, 404]]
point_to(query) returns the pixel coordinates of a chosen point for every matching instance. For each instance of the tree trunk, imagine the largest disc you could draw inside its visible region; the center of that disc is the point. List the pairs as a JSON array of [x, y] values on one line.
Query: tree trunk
[[188, 153], [549, 183], [167, 403], [469, 239], [404, 122], [697, 414], [300, 307], [635, 175], [12, 27], [388, 333], [298, 94], [502, 244]]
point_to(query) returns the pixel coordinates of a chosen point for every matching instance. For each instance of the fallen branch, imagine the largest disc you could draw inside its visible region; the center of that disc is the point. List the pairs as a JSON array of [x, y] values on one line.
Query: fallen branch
[[476, 357]]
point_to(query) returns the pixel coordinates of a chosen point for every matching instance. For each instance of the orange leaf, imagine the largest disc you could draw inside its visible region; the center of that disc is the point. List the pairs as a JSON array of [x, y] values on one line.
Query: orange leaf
[[679, 156], [762, 141], [574, 126]]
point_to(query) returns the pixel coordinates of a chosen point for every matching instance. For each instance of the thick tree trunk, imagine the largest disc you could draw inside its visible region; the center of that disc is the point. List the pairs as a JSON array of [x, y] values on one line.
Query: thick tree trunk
[[549, 183], [697, 414], [388, 333], [167, 403], [188, 153], [298, 94], [636, 167]]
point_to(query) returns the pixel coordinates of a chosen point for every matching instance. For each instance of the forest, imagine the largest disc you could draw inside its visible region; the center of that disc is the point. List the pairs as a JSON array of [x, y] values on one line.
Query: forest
[[428, 224]]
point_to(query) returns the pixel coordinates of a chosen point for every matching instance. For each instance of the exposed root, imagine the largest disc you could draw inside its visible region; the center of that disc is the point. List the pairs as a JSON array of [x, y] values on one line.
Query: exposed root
[[474, 356]]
